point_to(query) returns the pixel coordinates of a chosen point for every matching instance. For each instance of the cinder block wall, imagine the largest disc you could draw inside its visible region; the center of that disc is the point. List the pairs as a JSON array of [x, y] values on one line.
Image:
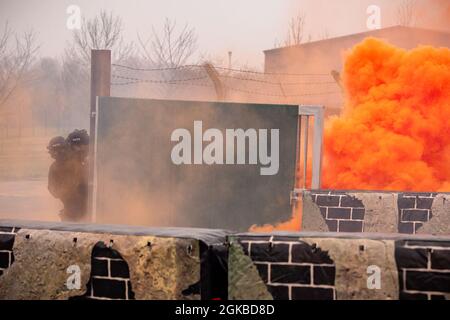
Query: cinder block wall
[[296, 266], [368, 211], [110, 275], [324, 266], [118, 262], [291, 269], [7, 235], [423, 269]]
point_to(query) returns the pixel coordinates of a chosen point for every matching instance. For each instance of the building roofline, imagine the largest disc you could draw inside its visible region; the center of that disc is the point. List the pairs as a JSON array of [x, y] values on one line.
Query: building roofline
[[367, 33]]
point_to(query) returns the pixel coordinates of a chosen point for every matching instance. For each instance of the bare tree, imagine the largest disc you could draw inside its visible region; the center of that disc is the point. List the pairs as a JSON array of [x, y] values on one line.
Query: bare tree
[[104, 31], [296, 30], [16, 55], [324, 35], [171, 47], [407, 13]]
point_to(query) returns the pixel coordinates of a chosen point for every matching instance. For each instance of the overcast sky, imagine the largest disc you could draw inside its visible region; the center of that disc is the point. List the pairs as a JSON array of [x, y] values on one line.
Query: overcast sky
[[246, 27]]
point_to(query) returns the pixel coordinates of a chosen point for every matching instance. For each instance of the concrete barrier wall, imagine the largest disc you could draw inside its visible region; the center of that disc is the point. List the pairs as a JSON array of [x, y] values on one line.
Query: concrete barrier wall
[[386, 212], [331, 266], [76, 261]]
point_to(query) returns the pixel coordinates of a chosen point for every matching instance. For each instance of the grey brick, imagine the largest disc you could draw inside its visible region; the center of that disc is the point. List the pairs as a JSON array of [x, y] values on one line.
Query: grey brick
[[332, 225], [328, 201], [290, 274], [106, 288], [279, 292], [424, 203], [99, 267], [264, 252], [358, 214], [406, 203], [4, 260], [6, 241], [415, 215], [304, 253], [119, 269], [411, 258], [349, 201], [350, 226], [406, 228], [339, 213], [324, 275], [428, 281], [440, 259]]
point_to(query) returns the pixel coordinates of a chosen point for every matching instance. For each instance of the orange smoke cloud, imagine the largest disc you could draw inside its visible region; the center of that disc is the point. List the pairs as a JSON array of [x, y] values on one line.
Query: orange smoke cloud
[[292, 225], [394, 133]]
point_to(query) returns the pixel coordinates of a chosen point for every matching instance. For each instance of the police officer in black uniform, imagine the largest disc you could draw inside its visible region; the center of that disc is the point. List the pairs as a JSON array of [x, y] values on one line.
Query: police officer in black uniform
[[68, 175], [58, 150]]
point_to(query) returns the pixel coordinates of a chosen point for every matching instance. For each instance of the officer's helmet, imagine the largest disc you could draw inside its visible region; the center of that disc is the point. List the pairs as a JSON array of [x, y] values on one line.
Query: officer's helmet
[[78, 138], [57, 146]]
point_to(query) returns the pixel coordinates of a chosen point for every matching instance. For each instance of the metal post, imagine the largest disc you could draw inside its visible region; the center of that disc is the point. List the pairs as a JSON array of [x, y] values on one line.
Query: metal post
[[305, 151], [299, 150], [100, 86], [316, 182], [318, 113]]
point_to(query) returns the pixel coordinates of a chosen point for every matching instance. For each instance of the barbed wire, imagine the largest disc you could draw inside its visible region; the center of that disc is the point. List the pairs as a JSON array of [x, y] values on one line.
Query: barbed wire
[[277, 82], [281, 95], [252, 92], [272, 73], [219, 68], [187, 66], [133, 82], [195, 72], [137, 80]]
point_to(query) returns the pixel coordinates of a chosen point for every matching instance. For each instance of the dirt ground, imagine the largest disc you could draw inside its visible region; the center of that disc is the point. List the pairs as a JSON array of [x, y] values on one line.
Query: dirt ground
[[28, 199]]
